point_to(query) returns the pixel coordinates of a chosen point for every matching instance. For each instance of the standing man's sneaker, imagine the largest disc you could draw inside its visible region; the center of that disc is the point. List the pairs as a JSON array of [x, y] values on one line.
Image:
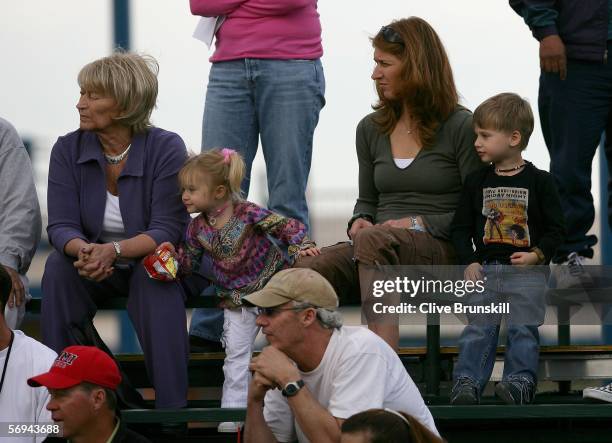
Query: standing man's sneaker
[[571, 274], [465, 392], [603, 393], [516, 392]]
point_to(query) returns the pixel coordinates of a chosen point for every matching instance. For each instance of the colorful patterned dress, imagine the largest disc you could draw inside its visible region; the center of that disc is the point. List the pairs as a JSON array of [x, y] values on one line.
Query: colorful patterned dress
[[246, 252]]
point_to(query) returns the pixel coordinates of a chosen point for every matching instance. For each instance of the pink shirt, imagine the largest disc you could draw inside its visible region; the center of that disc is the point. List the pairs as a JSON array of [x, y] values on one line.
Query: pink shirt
[[272, 29]]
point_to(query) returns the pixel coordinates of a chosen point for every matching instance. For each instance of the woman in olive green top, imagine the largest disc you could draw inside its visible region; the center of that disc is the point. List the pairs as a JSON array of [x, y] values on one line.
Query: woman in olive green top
[[414, 153]]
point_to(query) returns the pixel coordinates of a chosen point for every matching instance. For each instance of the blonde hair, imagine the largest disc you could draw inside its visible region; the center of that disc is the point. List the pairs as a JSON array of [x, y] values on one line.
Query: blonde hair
[[506, 112], [216, 167], [130, 79]]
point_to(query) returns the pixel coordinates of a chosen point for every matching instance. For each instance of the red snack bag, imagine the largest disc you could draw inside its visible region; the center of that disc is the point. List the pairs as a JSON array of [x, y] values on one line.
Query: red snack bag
[[162, 264]]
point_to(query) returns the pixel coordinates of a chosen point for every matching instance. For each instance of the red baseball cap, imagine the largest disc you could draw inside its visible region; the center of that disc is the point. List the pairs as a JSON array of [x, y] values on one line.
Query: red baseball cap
[[78, 364]]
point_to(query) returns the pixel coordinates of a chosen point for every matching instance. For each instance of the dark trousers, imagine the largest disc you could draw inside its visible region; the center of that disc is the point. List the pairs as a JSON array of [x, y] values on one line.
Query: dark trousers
[[157, 310], [574, 113]]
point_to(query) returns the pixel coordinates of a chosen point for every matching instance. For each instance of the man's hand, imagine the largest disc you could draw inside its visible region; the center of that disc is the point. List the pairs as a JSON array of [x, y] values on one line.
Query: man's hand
[[552, 55], [524, 258], [258, 387], [17, 294], [357, 225], [273, 365]]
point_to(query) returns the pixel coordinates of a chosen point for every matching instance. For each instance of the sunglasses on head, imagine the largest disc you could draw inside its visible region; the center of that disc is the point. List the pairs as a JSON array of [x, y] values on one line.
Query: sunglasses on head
[[390, 35]]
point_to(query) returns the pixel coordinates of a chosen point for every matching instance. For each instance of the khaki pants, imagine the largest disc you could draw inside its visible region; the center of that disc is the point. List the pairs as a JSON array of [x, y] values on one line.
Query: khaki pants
[[377, 245]]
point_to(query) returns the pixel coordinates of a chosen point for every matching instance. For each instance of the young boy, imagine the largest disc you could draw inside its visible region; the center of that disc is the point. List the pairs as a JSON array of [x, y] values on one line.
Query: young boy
[[511, 212]]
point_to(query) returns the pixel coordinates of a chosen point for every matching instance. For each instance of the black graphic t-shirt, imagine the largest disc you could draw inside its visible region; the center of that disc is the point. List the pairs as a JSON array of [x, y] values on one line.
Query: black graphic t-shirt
[[500, 215]]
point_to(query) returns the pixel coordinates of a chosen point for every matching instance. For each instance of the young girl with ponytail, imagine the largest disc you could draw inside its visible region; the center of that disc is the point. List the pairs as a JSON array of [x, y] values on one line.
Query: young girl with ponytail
[[246, 245]]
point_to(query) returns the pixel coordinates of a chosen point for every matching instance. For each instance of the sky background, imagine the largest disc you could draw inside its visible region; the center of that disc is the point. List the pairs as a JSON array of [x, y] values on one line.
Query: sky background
[[44, 45]]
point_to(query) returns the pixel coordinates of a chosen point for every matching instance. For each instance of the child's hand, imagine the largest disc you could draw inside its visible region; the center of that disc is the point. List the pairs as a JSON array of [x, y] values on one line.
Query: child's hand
[[168, 245], [524, 258], [310, 251], [473, 272]]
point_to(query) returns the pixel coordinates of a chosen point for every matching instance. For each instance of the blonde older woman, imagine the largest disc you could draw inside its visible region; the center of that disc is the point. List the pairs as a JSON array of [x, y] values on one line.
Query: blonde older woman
[[112, 198]]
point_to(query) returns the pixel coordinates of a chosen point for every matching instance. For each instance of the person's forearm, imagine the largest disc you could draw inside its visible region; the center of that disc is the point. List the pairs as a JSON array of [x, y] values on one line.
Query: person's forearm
[[72, 247], [315, 421], [137, 246], [256, 429]]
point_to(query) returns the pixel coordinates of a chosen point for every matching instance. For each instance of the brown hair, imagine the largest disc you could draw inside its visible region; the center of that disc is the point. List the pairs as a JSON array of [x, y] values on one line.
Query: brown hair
[[218, 167], [427, 87], [506, 112], [130, 79], [385, 426]]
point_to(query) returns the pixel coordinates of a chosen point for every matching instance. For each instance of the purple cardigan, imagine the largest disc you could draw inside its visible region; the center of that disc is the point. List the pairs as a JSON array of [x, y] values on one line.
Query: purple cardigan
[[150, 200]]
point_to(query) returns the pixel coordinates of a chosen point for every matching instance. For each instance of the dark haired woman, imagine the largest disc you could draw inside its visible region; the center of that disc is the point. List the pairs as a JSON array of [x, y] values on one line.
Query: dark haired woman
[[414, 152]]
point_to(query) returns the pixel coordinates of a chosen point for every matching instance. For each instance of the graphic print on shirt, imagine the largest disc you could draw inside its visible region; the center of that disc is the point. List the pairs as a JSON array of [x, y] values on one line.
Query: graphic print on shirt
[[506, 212]]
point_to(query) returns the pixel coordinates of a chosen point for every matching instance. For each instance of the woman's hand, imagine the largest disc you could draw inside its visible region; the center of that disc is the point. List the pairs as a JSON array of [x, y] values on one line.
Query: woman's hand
[[95, 261], [473, 272], [405, 223], [310, 251], [17, 294], [168, 245], [357, 225], [524, 258]]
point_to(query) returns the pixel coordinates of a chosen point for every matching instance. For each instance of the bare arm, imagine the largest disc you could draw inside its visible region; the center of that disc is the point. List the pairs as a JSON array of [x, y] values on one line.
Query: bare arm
[[256, 429], [315, 421]]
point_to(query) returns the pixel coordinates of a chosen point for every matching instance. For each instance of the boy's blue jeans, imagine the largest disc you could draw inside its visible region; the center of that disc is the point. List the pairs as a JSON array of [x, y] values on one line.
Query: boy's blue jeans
[[524, 289]]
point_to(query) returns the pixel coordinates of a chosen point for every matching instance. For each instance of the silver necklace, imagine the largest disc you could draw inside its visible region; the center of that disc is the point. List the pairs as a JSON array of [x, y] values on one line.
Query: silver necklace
[[408, 130], [114, 159]]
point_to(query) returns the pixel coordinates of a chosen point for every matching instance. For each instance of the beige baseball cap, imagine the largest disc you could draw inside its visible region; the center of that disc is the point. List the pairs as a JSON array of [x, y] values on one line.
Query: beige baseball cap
[[295, 284]]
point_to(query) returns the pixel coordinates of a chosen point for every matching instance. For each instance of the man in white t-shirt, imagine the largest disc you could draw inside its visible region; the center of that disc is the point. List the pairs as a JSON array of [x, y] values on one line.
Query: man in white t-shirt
[[315, 374], [21, 357]]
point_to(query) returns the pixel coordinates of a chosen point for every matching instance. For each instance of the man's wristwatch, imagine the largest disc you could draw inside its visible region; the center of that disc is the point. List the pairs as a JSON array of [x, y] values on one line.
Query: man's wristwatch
[[292, 388], [117, 247]]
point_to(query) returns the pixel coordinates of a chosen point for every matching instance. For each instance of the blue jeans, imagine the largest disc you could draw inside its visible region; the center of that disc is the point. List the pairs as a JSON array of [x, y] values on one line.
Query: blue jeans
[[524, 290], [278, 101], [574, 114]]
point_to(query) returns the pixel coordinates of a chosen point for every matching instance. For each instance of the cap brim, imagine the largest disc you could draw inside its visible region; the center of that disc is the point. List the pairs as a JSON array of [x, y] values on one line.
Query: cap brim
[[266, 298], [53, 381]]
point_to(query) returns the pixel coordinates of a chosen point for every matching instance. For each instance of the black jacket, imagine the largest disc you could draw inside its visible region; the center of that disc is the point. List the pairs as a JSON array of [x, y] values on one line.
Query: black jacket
[[581, 24], [507, 229]]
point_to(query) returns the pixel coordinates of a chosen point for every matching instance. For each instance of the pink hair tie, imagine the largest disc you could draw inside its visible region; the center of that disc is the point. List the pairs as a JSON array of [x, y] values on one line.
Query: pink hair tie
[[227, 152]]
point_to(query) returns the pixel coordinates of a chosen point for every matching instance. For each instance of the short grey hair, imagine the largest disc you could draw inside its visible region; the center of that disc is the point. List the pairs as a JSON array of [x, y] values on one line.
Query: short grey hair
[[129, 78], [327, 318]]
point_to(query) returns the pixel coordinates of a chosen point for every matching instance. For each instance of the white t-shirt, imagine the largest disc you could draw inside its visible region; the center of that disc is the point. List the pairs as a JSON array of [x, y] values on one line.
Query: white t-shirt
[[359, 371], [20, 403], [112, 223]]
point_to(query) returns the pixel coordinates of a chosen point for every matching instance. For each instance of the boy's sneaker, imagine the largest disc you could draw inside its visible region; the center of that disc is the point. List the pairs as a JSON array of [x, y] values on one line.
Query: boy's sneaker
[[465, 392], [516, 392], [571, 274], [229, 427], [603, 393]]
